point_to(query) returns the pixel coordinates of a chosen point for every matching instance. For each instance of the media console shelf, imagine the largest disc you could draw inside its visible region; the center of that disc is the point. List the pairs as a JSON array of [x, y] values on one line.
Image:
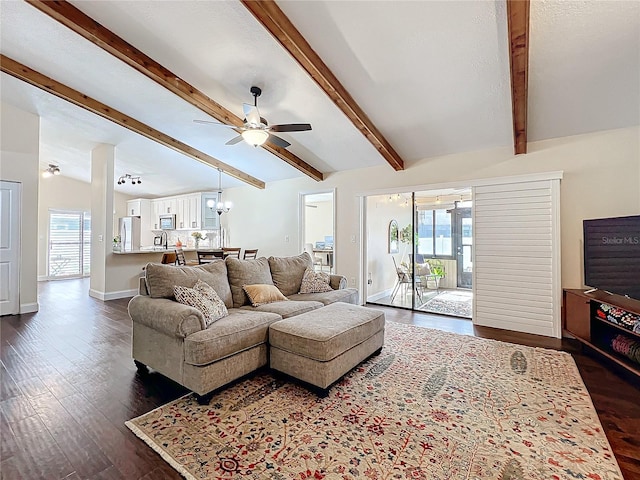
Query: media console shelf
[[585, 318]]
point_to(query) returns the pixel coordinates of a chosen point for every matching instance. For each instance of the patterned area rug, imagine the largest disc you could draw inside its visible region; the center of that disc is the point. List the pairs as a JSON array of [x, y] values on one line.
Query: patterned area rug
[[457, 303], [432, 405]]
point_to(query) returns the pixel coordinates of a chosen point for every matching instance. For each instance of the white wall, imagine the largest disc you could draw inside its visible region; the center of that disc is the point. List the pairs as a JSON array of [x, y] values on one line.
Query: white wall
[[318, 221], [19, 145], [601, 172], [64, 193]]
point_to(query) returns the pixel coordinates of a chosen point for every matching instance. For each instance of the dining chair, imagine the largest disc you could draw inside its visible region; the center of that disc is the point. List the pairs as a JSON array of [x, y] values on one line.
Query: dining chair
[[180, 259], [317, 260], [250, 253], [169, 258], [231, 252], [208, 256], [404, 280]]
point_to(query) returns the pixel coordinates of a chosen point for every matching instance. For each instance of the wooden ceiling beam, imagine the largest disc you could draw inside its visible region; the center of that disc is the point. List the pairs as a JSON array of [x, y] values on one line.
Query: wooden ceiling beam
[[518, 23], [82, 24], [277, 23], [26, 74]]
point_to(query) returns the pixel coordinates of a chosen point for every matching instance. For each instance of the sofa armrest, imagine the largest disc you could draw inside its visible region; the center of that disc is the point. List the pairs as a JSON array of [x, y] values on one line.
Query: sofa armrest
[[337, 282], [166, 316]]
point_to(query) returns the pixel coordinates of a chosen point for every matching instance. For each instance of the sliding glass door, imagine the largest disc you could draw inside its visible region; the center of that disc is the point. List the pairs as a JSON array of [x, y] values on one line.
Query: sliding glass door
[[69, 244], [419, 251]]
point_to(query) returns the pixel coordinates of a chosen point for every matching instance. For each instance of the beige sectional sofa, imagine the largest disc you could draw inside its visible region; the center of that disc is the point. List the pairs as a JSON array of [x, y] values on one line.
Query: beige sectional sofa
[[173, 339]]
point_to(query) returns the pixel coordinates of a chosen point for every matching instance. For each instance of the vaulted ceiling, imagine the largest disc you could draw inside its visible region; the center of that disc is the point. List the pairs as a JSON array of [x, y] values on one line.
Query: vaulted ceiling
[[432, 77]]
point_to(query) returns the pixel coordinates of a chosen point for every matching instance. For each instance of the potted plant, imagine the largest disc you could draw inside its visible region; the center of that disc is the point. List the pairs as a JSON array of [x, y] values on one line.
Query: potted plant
[[197, 236]]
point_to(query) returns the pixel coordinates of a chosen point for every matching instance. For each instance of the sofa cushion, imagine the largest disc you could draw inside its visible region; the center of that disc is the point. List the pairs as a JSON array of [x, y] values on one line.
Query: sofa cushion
[[285, 309], [203, 297], [287, 272], [238, 331], [315, 282], [246, 272], [260, 294], [346, 295], [161, 279]]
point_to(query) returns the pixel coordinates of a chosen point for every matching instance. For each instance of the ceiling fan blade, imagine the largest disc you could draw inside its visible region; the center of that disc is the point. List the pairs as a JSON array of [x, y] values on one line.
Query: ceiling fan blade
[[291, 127], [234, 140], [207, 122], [251, 114], [277, 141]]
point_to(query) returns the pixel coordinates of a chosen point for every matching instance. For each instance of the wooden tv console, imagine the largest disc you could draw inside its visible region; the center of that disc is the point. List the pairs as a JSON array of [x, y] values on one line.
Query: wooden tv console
[[581, 320]]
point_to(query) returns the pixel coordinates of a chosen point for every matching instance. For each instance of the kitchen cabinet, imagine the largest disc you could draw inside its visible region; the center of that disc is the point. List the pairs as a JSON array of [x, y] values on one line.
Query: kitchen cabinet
[[195, 210], [141, 207], [190, 210], [210, 217], [134, 207]]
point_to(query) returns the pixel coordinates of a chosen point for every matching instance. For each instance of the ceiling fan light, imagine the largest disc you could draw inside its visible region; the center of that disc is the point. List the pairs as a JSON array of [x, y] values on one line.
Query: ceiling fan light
[[46, 174], [255, 137]]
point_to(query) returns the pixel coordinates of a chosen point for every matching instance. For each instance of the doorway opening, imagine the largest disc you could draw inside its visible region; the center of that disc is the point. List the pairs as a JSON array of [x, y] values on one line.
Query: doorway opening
[[419, 251], [69, 252], [317, 225]]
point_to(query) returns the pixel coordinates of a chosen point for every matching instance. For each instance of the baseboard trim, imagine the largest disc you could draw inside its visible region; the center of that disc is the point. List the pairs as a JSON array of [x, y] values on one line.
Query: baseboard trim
[[105, 296], [378, 296], [29, 307]]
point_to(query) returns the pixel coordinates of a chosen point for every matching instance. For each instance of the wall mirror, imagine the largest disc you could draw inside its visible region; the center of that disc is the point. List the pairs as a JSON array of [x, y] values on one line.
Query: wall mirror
[[393, 236]]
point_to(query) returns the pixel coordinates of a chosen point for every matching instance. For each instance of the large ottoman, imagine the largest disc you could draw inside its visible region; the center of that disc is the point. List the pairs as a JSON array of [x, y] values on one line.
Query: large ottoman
[[320, 346]]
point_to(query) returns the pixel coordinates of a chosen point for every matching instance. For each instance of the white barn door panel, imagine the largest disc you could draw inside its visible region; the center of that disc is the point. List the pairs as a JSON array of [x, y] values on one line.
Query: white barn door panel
[[517, 256]]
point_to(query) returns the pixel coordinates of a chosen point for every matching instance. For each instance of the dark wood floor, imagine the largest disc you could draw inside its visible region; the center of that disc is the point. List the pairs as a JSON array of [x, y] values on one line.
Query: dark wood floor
[[69, 384]]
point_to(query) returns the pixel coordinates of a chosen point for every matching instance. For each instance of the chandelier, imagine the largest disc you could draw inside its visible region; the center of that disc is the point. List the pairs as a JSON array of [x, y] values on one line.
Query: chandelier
[[220, 207]]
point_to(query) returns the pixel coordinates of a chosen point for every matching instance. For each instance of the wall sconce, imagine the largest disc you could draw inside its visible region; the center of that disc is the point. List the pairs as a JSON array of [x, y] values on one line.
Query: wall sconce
[[51, 170], [134, 180]]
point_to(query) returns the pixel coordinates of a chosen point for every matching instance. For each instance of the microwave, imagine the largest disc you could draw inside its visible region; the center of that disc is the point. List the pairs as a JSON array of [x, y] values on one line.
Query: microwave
[[168, 221]]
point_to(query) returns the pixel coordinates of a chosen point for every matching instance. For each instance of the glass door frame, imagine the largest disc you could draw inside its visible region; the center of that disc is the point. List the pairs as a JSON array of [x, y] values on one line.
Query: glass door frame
[[463, 279]]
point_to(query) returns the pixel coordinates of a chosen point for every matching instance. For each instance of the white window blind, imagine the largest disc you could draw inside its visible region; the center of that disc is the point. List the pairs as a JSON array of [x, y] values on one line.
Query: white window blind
[[517, 257]]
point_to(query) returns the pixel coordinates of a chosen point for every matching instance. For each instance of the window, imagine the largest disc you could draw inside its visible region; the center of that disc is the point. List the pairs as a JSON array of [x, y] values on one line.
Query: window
[[69, 244], [434, 233]]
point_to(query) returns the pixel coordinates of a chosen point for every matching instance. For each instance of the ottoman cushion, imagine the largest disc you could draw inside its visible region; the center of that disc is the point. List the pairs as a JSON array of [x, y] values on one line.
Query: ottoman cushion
[[325, 333]]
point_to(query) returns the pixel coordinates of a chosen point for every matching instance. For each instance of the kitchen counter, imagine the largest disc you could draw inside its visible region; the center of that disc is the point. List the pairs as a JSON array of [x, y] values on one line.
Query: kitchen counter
[[170, 249]]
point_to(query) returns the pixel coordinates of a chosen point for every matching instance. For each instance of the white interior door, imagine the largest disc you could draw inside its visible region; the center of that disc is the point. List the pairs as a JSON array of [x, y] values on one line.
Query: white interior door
[[9, 248]]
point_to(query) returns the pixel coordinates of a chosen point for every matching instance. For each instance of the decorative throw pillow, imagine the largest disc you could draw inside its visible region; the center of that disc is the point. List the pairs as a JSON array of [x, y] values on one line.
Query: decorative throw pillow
[[315, 282], [204, 298], [260, 294], [423, 269]]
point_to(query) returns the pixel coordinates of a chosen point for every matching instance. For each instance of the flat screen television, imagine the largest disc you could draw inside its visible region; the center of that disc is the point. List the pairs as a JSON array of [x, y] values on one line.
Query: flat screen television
[[612, 255]]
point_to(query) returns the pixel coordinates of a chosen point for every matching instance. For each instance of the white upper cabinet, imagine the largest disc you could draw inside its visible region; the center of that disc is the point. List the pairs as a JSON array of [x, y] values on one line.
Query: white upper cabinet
[[210, 217], [190, 211], [134, 207]]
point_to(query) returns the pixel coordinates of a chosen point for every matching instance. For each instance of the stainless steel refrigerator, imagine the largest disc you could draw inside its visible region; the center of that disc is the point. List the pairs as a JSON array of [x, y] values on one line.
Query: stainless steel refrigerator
[[129, 233]]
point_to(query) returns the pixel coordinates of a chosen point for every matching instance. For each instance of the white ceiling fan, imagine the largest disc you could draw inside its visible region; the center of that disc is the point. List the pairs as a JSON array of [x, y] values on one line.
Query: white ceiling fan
[[256, 130]]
